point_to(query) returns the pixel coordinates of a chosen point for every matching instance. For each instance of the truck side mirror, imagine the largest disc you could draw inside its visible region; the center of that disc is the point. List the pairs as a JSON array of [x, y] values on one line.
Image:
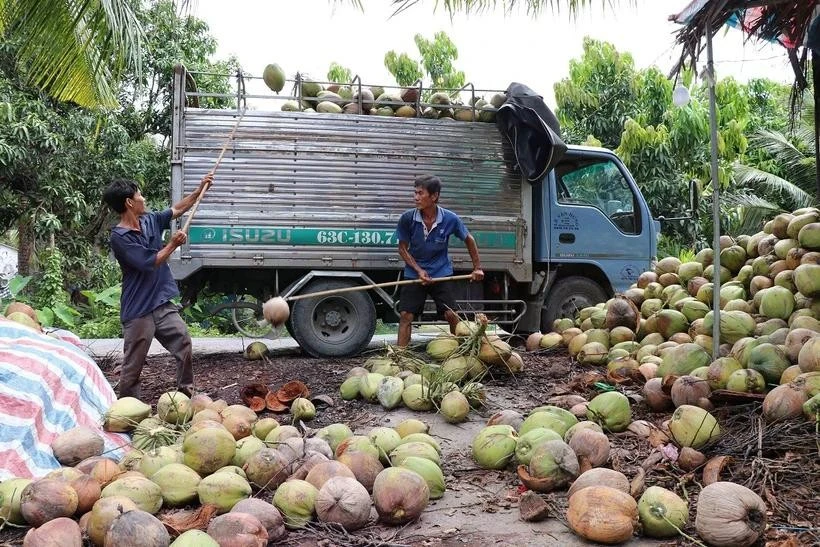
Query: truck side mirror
[[694, 197]]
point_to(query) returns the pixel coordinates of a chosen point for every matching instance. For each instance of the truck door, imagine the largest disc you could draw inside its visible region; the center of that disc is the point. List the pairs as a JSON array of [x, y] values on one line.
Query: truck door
[[599, 217]]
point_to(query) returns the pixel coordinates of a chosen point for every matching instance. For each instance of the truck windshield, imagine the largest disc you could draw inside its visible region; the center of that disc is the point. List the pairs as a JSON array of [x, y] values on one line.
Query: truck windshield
[[599, 184]]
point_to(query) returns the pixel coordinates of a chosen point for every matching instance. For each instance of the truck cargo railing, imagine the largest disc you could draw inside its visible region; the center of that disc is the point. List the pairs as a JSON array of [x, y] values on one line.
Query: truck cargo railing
[[464, 98]]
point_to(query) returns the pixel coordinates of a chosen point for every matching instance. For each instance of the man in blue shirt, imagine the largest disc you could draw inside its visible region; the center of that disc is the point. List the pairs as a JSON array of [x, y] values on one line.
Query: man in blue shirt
[[146, 310], [424, 234]]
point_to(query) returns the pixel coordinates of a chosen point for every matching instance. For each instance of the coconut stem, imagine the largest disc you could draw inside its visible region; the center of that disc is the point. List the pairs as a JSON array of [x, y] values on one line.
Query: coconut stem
[[681, 532]]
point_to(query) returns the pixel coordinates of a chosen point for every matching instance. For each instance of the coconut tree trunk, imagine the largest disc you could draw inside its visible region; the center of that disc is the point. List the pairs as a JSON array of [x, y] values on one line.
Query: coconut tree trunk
[[25, 235]]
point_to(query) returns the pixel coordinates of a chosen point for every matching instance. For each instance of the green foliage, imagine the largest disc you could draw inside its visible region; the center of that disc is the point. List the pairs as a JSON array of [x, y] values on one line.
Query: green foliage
[[73, 50], [599, 95], [101, 313], [606, 99], [339, 73], [403, 68], [437, 56]]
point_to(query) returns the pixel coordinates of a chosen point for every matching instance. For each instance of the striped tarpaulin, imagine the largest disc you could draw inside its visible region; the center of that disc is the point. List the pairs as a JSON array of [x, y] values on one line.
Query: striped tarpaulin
[[47, 386]]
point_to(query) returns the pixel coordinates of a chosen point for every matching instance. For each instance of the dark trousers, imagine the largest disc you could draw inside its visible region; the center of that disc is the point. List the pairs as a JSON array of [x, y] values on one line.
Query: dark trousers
[[166, 325]]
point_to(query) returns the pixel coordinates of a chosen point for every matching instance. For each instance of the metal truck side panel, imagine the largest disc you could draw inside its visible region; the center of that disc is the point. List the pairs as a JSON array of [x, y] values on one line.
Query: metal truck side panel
[[325, 191]]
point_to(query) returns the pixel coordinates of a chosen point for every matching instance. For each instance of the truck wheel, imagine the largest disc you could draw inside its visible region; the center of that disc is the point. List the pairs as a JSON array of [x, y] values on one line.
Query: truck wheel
[[567, 297], [334, 325]]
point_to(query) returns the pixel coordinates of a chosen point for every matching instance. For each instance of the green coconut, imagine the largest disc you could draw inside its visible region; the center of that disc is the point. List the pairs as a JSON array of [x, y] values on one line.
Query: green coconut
[[124, 414], [694, 309], [420, 436], [194, 538], [546, 420], [385, 439], [719, 371], [689, 270], [494, 446], [746, 380], [274, 77], [567, 417], [206, 450], [177, 483], [777, 302], [670, 322], [693, 426], [174, 407], [349, 389], [809, 236], [296, 499], [611, 410], [555, 462], [530, 440], [245, 448], [389, 392], [734, 325], [145, 493], [256, 351], [454, 407], [807, 279], [418, 449], [770, 361], [369, 386], [662, 512], [155, 459], [429, 471], [223, 490], [733, 258], [11, 491], [456, 368], [417, 397], [683, 359], [442, 347]]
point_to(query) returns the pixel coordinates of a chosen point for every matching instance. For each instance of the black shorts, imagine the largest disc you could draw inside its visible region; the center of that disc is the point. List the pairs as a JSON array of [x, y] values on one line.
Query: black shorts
[[413, 297]]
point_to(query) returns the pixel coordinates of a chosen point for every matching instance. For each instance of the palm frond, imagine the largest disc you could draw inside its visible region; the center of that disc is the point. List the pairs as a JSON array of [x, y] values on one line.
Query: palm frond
[[75, 49], [754, 210], [797, 162], [533, 7], [747, 176]]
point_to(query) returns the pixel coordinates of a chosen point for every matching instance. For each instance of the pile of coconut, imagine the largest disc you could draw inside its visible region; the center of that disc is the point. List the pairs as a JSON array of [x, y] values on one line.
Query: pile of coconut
[[446, 379], [656, 340], [227, 477], [660, 330]]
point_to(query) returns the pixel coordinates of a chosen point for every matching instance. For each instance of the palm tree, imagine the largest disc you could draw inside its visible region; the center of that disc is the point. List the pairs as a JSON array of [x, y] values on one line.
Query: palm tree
[[73, 50], [761, 194]]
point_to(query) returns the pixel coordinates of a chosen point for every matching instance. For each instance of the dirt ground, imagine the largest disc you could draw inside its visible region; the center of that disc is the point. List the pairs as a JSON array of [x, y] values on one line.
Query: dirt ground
[[480, 507]]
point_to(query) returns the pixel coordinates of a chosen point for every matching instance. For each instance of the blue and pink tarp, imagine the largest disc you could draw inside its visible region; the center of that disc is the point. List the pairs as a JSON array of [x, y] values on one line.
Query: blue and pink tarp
[[47, 386]]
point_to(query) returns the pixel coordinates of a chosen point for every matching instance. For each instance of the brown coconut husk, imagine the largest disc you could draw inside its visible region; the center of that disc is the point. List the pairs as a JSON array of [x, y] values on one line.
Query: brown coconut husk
[[291, 391], [535, 483], [196, 519], [253, 395], [273, 404]]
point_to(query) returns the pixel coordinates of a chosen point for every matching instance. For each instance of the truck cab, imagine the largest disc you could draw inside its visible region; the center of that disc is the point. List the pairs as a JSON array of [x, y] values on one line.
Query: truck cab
[[596, 232]]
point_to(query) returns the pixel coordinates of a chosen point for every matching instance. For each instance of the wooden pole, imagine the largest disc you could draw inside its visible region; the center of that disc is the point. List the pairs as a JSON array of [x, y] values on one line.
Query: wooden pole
[[815, 75], [375, 286], [213, 170]]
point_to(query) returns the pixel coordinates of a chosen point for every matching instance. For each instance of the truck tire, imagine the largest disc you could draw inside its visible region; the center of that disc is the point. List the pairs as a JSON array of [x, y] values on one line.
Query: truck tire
[[568, 296], [334, 325]]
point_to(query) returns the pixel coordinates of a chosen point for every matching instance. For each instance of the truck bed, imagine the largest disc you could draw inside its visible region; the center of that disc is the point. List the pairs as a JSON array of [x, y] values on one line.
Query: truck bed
[[325, 191]]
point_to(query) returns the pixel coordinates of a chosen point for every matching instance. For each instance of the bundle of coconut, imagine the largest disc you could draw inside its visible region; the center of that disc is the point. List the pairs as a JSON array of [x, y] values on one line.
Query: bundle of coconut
[[249, 479], [448, 379], [660, 330]]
